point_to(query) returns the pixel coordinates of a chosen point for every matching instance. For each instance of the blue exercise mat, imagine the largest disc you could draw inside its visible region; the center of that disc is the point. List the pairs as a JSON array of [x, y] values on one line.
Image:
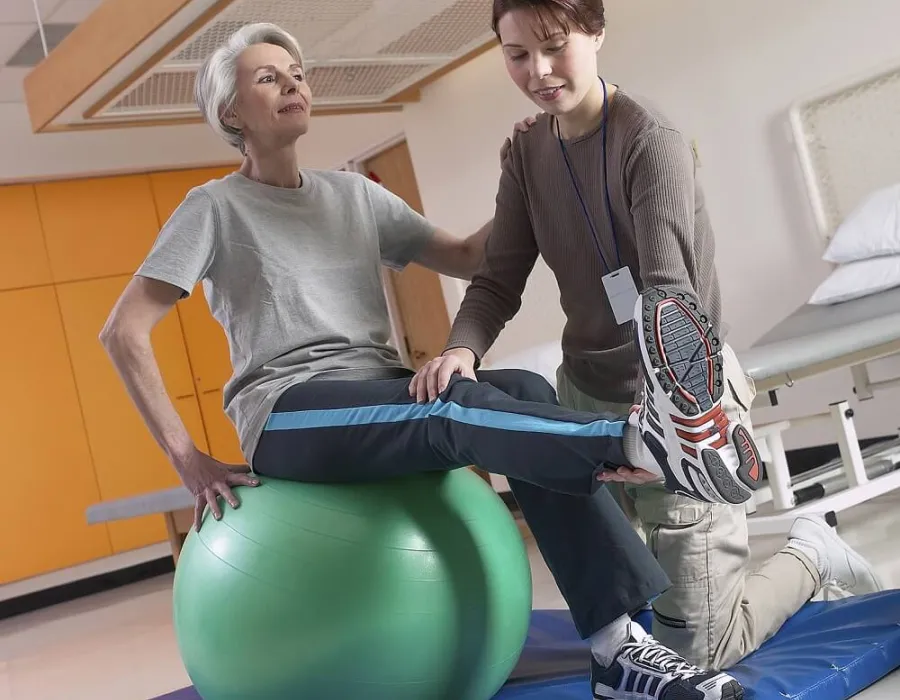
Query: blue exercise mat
[[827, 651]]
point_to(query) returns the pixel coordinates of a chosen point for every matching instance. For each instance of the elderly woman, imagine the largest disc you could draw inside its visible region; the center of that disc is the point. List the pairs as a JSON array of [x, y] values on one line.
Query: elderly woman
[[290, 263]]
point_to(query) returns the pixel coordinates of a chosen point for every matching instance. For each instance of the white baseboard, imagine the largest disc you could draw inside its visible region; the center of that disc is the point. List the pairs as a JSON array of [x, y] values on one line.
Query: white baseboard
[[83, 571]]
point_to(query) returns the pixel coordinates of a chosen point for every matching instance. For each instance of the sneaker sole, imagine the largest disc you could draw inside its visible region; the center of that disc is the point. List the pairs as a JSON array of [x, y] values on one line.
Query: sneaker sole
[[685, 352], [683, 348], [749, 472], [730, 691]]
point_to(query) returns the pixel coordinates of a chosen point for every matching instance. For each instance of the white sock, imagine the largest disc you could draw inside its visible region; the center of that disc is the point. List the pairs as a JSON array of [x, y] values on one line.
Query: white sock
[[635, 451], [605, 644]]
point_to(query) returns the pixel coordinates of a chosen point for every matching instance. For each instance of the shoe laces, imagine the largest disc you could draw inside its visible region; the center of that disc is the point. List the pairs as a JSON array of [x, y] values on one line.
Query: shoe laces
[[651, 653]]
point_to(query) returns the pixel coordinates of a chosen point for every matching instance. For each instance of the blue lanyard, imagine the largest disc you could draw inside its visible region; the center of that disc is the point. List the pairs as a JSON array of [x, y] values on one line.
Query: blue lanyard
[[584, 209]]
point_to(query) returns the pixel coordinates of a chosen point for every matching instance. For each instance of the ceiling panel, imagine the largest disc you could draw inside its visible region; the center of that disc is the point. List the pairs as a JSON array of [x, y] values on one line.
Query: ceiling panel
[[32, 51], [11, 84], [12, 36], [22, 11], [74, 11]]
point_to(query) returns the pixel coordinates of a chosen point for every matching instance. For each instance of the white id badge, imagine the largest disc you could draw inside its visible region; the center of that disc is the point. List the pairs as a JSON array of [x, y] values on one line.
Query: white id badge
[[622, 294]]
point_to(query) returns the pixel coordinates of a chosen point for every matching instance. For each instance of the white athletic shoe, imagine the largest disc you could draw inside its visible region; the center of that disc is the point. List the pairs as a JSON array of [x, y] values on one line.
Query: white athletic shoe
[[698, 450], [838, 563], [646, 670]]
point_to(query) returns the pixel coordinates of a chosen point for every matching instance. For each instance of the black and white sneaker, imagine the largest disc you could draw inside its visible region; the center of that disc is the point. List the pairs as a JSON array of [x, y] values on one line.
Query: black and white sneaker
[[694, 445], [646, 670]]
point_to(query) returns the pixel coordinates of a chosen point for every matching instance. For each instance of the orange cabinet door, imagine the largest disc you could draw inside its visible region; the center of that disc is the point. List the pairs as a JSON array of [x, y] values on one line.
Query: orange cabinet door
[[170, 188], [206, 343], [23, 257], [50, 480], [97, 227], [223, 439], [211, 362], [127, 459]]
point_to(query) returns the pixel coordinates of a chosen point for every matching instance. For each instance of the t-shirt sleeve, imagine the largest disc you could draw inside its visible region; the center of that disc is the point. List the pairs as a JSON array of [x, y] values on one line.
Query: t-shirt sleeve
[[402, 232], [660, 182], [186, 245]]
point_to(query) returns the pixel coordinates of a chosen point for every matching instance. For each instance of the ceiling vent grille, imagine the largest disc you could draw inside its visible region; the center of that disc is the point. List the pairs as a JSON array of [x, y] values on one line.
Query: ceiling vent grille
[[450, 31]]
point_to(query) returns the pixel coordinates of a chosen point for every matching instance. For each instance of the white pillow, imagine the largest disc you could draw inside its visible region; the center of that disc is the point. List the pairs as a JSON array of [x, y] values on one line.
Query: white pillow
[[859, 279], [872, 229]]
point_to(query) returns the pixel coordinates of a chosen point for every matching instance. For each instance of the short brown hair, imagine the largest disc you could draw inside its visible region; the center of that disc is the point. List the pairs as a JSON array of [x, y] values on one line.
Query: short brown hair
[[585, 15]]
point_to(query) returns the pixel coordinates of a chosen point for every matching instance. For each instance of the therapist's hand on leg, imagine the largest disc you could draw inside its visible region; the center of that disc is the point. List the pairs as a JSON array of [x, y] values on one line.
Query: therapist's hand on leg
[[434, 377], [628, 475]]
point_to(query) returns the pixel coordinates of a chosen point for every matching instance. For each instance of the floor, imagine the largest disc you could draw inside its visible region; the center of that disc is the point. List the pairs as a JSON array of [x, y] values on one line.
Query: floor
[[120, 645]]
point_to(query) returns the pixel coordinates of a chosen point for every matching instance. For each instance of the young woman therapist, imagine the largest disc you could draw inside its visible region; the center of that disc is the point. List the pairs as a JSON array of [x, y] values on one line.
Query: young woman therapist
[[604, 189]]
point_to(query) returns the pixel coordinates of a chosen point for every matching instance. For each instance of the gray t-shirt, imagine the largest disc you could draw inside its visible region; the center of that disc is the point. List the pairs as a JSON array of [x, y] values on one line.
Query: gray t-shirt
[[293, 276]]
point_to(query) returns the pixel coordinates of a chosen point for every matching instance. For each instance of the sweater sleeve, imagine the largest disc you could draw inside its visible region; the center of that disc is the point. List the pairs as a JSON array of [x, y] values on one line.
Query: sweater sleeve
[[494, 295], [660, 181]]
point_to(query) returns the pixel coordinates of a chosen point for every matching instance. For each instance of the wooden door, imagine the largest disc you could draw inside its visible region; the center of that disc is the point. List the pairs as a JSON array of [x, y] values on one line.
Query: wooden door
[[50, 479], [424, 321], [127, 459]]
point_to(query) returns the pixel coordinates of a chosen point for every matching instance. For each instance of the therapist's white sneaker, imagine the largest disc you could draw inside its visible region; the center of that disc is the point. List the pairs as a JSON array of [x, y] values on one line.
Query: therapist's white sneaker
[[700, 452], [836, 561]]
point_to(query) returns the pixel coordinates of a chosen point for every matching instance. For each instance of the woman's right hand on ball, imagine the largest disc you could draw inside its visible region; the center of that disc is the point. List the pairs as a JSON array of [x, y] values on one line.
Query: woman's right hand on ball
[[431, 380], [208, 478]]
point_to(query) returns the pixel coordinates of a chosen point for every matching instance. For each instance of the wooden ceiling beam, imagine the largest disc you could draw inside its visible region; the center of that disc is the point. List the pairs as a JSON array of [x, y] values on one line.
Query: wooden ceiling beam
[[106, 37]]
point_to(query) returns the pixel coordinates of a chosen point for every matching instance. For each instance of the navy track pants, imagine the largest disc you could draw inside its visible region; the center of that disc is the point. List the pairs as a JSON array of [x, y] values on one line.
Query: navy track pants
[[509, 422]]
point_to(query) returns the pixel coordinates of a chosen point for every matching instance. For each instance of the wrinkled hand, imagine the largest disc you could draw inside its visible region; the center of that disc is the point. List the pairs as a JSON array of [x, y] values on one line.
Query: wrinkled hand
[[520, 127], [208, 478], [629, 475], [431, 380]]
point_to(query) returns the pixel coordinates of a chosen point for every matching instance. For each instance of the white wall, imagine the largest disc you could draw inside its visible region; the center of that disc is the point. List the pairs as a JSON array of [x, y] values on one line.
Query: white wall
[[332, 140], [727, 73], [455, 134]]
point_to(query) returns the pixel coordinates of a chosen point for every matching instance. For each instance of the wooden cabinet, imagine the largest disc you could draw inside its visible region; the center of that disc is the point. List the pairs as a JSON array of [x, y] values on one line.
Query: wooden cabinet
[[71, 434], [223, 439], [208, 350], [170, 188], [23, 257], [206, 343], [127, 460], [97, 227], [50, 480]]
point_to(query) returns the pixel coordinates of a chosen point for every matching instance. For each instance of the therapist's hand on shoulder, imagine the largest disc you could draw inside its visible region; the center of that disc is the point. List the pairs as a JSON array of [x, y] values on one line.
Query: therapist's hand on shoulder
[[434, 377], [520, 127]]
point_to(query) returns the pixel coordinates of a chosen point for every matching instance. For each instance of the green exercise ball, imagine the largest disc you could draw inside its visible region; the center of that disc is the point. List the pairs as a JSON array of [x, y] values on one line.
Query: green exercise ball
[[416, 588]]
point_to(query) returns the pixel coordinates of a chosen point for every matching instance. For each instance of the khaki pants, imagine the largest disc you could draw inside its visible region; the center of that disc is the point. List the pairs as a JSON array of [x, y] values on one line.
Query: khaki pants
[[716, 611]]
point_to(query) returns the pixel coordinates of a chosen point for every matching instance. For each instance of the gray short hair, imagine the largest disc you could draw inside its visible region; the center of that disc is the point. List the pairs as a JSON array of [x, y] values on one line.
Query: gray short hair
[[216, 86]]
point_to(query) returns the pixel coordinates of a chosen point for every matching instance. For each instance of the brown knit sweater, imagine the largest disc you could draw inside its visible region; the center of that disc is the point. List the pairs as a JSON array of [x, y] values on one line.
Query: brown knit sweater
[[663, 231]]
